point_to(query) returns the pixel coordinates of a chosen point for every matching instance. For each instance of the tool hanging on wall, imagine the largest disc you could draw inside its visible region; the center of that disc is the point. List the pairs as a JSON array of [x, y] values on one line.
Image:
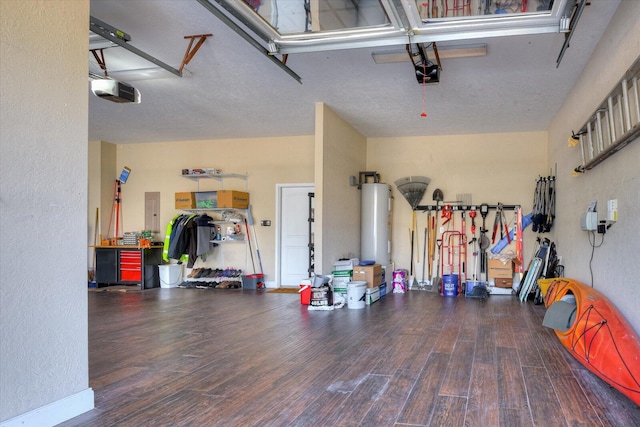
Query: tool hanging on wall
[[474, 241], [423, 283], [501, 223], [412, 189], [544, 200], [484, 240], [432, 241], [463, 249]]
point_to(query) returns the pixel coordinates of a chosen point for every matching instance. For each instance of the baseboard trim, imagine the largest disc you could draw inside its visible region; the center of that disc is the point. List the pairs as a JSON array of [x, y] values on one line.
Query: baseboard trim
[[55, 412]]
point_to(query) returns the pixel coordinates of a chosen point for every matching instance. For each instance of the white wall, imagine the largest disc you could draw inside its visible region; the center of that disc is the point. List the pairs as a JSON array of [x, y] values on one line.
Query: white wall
[[43, 207], [614, 263]]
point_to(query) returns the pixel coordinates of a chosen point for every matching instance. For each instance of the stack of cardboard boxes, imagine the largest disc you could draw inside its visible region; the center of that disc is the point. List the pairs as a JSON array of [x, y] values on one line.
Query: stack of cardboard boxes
[[501, 272], [374, 276]]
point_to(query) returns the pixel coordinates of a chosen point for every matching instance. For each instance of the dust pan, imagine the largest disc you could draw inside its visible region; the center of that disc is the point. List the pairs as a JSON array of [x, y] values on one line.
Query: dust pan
[[412, 188]]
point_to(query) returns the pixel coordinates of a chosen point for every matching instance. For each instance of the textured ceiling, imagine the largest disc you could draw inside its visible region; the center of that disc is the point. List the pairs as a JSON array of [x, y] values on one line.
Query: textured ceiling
[[233, 91]]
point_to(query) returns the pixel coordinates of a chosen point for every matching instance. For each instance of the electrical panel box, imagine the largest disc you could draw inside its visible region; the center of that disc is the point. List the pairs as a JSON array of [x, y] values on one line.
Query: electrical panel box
[[589, 221]]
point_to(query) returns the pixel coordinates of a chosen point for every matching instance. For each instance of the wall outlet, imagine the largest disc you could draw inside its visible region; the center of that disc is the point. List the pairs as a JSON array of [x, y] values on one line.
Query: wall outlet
[[612, 210]]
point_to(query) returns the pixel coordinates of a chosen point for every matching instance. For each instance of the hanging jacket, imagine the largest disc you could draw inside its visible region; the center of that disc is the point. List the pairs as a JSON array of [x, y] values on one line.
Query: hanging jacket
[[205, 228], [167, 237], [180, 238]]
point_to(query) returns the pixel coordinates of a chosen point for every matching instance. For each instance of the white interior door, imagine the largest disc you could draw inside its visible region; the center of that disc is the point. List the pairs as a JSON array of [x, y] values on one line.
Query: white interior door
[[293, 233]]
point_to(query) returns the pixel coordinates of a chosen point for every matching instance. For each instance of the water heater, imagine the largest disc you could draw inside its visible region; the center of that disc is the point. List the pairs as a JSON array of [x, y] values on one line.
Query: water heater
[[375, 223]]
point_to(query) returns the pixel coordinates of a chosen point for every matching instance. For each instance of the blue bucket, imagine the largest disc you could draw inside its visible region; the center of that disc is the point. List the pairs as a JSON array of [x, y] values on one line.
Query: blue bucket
[[450, 285]]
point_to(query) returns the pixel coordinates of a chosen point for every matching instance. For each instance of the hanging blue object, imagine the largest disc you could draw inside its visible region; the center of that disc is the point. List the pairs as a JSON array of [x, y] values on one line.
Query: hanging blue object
[[526, 221]]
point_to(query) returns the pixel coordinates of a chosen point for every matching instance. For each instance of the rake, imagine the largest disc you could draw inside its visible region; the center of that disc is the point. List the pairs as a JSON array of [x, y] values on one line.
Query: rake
[[412, 189]]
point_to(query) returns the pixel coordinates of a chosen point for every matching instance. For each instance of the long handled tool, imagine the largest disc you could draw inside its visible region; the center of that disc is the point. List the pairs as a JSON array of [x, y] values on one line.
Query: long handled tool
[[484, 240], [422, 283], [255, 238], [96, 238], [432, 242], [463, 251], [412, 189], [436, 281], [246, 226]]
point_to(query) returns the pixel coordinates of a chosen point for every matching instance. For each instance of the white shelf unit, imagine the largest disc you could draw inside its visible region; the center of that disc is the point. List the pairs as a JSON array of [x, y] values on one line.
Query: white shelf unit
[[220, 177], [219, 257]]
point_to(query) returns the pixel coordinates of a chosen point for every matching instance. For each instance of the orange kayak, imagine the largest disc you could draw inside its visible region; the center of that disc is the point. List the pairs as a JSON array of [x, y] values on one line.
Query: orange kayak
[[600, 337]]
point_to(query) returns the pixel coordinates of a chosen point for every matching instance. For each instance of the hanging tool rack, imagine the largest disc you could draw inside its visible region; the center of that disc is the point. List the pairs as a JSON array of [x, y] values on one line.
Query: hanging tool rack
[[465, 208], [476, 207]]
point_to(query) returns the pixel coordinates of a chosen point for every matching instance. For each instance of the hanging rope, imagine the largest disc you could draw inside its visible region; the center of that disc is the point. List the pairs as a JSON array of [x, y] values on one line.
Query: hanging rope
[[424, 89]]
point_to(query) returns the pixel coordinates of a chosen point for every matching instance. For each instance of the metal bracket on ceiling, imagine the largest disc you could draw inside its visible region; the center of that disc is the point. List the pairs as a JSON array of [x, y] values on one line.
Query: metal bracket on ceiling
[[98, 54], [188, 55], [121, 38]]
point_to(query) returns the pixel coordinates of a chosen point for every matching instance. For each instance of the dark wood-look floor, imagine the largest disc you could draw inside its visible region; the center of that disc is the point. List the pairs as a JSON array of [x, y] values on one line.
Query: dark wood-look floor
[[190, 357]]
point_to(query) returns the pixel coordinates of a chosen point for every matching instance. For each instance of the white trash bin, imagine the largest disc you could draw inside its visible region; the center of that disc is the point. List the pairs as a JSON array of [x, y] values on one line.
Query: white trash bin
[[170, 275]]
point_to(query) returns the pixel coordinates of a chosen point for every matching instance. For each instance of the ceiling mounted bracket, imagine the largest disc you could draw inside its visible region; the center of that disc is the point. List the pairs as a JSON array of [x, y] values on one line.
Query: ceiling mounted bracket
[[121, 38], [98, 54], [189, 54]]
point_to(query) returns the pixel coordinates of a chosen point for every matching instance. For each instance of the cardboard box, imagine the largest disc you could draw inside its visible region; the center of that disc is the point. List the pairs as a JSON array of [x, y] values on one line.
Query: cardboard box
[[503, 283], [186, 200], [206, 199], [500, 270], [233, 199], [372, 274]]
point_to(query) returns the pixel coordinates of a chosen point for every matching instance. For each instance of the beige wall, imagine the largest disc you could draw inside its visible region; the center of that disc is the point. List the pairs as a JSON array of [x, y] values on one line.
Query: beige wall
[[340, 152], [108, 174], [267, 161], [491, 167], [614, 263], [44, 372]]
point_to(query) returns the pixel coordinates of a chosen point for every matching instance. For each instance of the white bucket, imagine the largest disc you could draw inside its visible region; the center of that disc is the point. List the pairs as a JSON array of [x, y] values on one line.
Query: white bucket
[[170, 275], [355, 294]]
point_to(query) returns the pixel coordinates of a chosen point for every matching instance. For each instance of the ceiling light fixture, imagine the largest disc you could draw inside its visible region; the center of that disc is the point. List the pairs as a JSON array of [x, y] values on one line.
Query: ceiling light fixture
[[151, 73]]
